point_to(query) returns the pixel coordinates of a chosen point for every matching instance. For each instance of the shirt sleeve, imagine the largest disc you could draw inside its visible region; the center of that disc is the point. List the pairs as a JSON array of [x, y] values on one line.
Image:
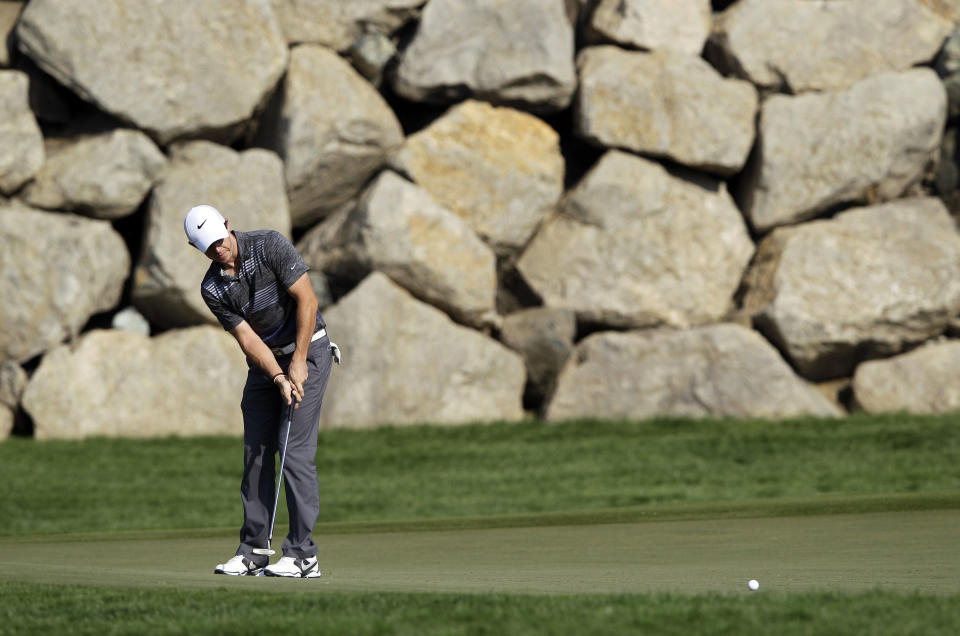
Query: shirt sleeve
[[227, 318], [282, 257]]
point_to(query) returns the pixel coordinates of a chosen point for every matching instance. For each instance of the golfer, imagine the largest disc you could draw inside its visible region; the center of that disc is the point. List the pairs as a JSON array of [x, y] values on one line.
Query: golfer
[[258, 289]]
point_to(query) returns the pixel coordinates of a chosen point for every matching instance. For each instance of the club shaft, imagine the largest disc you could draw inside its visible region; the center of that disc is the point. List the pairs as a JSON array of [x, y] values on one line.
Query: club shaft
[[283, 456]]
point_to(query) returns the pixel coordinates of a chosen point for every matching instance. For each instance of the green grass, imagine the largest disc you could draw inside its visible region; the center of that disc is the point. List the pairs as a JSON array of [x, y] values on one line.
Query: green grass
[[477, 476], [36, 609], [429, 473]]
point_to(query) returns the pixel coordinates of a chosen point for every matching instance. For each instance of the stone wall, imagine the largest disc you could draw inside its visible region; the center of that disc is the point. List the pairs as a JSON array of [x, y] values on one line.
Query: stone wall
[[556, 208]]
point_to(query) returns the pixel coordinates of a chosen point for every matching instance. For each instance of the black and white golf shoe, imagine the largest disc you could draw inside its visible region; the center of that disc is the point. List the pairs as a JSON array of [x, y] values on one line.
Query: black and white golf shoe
[[238, 566], [292, 567]]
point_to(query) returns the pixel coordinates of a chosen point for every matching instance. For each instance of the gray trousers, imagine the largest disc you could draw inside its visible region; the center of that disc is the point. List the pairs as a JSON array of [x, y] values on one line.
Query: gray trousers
[[264, 427]]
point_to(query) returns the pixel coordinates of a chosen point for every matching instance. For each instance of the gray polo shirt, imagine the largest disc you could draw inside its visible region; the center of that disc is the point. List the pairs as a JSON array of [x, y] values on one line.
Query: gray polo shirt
[[267, 266]]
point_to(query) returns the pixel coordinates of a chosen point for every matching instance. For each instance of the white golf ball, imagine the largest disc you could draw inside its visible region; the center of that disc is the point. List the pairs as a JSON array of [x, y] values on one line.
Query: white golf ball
[[753, 584]]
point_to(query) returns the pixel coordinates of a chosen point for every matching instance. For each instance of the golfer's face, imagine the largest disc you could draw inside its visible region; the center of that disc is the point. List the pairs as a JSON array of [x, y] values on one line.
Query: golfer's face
[[219, 251]]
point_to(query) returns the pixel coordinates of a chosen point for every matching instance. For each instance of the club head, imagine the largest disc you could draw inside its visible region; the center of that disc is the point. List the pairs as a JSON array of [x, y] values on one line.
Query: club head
[[264, 551]]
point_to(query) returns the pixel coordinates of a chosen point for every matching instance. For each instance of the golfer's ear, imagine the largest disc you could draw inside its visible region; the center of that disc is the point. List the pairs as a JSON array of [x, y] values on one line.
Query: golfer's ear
[[226, 223]]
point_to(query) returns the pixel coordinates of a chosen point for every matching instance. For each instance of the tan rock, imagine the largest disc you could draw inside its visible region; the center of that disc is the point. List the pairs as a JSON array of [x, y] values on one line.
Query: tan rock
[[122, 384], [405, 362], [56, 271], [497, 168], [174, 69], [9, 14], [331, 128], [337, 24], [637, 247], [715, 371], [827, 45], [678, 25], [665, 104], [867, 144], [923, 381], [511, 53], [21, 142], [106, 176], [428, 250], [866, 284]]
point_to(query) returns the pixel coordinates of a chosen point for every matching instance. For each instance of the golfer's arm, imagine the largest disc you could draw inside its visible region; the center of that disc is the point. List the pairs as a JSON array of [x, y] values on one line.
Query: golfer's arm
[[302, 292], [256, 349]]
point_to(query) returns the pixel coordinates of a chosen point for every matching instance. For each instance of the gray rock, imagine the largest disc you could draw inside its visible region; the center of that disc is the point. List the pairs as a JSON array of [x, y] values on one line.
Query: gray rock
[[337, 24], [129, 319], [678, 25], [174, 69], [106, 176], [513, 53], [665, 104], [866, 284], [370, 54], [544, 337], [21, 142], [56, 271], [248, 189], [408, 363], [826, 45], [332, 129], [924, 381], [637, 247], [497, 168], [715, 371], [399, 230], [120, 384], [13, 379], [867, 144]]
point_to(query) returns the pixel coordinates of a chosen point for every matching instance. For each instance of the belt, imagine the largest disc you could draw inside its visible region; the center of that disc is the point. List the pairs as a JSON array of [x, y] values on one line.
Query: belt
[[290, 348]]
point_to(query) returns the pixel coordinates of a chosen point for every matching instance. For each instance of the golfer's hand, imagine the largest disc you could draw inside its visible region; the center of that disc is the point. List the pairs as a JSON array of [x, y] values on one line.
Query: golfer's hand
[[298, 375], [283, 383]]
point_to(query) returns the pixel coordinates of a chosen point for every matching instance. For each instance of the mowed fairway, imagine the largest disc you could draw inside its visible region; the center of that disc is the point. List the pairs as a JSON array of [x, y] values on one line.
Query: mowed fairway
[[915, 551]]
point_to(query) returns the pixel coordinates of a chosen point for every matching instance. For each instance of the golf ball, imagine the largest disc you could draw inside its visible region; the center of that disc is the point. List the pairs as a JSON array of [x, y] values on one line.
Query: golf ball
[[753, 584]]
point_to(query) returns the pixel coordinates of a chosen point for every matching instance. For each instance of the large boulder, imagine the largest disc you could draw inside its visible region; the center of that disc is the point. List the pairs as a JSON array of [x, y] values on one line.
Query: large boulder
[[21, 142], [332, 129], [173, 68], [499, 169], [868, 283], [720, 370], [338, 24], [121, 384], [925, 380], [513, 53], [665, 104], [106, 176], [678, 25], [636, 246], [399, 230], [798, 45], [56, 271], [248, 189], [867, 144], [405, 362]]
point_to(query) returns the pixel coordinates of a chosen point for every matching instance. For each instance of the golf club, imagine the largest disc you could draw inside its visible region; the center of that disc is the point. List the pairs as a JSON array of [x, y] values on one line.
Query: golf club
[[273, 517]]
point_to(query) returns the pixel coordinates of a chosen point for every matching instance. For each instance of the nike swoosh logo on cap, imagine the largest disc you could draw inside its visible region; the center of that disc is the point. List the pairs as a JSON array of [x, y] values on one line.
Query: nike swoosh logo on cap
[[201, 225]]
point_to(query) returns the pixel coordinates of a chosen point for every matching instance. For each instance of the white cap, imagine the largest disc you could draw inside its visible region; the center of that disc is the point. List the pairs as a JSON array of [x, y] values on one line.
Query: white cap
[[204, 225]]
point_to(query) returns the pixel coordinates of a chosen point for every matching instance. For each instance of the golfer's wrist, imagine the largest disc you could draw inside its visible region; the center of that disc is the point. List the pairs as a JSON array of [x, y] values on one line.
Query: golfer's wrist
[[279, 376]]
